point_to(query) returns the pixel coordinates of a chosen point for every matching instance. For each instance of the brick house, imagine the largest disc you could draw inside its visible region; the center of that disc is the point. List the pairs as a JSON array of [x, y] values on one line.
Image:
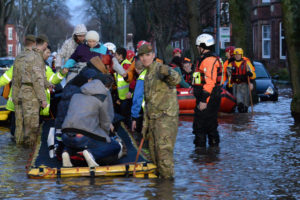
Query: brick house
[[11, 40], [268, 33]]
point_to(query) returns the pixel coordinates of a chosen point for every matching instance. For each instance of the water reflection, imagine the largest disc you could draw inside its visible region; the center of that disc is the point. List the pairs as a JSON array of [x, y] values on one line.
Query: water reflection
[[258, 158]]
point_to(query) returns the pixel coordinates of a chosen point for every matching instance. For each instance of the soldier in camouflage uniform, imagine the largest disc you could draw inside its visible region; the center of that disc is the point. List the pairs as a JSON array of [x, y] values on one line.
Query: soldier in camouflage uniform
[[16, 85], [31, 95], [161, 111]]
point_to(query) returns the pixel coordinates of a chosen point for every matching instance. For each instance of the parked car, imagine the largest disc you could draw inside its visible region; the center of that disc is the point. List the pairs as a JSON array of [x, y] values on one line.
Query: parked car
[[266, 90], [6, 61]]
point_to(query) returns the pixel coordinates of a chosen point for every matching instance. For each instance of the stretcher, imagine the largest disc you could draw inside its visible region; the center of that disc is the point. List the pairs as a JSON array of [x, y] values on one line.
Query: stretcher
[[41, 166]]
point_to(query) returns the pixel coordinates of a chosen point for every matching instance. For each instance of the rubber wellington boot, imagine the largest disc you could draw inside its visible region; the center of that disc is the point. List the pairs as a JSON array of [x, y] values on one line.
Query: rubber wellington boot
[[200, 140]]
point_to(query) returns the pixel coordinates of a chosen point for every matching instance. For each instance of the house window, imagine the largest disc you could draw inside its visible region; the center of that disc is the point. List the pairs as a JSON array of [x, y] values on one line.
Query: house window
[[176, 44], [282, 47], [265, 1], [10, 48], [266, 41], [10, 33]]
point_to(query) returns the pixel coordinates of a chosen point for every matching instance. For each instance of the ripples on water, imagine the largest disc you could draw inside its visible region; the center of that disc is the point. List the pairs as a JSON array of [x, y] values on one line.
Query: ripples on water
[[258, 159]]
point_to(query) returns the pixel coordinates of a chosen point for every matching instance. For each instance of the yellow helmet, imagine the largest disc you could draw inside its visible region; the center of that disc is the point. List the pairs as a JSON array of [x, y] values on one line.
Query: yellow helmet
[[238, 51]]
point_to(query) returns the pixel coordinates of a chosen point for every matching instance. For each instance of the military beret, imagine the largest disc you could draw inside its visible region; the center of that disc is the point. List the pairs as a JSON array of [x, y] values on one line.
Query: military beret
[[43, 37], [30, 37], [145, 48]]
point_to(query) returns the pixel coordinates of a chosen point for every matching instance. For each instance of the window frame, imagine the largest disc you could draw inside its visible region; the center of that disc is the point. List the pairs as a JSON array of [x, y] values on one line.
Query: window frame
[[10, 33], [10, 49], [263, 39], [281, 38]]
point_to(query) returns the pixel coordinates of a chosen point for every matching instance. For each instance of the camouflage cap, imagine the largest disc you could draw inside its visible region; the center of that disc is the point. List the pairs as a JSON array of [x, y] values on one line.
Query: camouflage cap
[[30, 37], [145, 48], [43, 37]]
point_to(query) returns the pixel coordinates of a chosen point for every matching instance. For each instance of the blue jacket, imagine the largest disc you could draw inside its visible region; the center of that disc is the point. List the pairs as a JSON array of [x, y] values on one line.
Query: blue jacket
[[138, 97]]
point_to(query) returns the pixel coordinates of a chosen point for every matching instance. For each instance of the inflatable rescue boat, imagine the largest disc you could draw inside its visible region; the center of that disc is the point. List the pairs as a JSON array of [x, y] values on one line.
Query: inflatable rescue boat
[[187, 101]]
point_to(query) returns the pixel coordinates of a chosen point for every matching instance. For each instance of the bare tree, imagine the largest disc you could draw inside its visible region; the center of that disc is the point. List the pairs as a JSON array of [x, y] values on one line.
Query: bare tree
[[108, 16], [5, 12], [291, 15], [162, 16], [240, 17]]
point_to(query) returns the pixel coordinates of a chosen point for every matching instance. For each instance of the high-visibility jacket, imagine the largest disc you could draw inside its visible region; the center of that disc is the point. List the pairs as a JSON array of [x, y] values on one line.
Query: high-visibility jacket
[[239, 71], [122, 85], [52, 77], [142, 77]]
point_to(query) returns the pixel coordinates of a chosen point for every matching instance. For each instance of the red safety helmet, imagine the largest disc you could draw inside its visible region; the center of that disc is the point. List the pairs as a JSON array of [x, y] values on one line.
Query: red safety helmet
[[177, 50], [230, 49], [140, 43], [130, 54]]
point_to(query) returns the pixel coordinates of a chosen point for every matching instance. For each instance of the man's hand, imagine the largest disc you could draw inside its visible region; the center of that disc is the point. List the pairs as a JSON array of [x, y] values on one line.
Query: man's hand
[[112, 128], [164, 70], [65, 71], [128, 95], [44, 104], [133, 125], [202, 106]]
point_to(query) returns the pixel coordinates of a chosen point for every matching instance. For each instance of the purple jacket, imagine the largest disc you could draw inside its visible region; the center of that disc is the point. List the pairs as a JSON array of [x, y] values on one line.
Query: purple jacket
[[84, 53]]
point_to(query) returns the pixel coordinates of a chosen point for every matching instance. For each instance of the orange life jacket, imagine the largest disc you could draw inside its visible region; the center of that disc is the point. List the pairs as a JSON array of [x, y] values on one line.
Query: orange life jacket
[[219, 71]]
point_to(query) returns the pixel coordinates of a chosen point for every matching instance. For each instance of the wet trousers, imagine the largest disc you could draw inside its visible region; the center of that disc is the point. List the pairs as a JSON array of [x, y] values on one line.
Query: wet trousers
[[206, 121], [27, 113], [162, 134], [241, 92]]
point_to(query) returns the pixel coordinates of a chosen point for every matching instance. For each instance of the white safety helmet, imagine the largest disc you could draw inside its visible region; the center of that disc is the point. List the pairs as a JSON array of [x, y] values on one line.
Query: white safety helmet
[[111, 46], [205, 40]]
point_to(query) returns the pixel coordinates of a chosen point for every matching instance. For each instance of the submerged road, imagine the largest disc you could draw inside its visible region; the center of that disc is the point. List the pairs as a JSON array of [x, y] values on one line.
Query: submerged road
[[258, 158]]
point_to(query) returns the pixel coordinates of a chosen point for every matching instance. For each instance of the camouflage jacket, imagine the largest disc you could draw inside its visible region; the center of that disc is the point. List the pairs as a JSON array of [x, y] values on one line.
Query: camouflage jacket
[[19, 63], [33, 75], [160, 92]]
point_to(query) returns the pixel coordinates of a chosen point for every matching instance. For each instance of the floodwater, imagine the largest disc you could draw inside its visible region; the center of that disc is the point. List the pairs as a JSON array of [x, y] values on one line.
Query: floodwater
[[258, 159]]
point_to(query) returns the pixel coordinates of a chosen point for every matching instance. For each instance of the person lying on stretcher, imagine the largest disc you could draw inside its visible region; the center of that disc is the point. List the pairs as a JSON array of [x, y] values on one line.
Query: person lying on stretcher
[[88, 123]]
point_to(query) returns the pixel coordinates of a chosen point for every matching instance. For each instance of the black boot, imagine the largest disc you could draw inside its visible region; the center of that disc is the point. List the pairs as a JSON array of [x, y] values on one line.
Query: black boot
[[200, 140], [214, 139]]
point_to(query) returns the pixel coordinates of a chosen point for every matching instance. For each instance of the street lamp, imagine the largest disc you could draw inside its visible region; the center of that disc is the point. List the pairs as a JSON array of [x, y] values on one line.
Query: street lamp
[[125, 20]]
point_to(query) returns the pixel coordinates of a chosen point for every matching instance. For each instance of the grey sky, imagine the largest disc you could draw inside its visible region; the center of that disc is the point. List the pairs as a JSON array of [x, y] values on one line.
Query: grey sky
[[77, 9]]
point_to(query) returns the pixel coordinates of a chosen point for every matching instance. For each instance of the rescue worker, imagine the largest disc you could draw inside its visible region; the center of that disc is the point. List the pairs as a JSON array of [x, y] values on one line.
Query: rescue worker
[[187, 71], [30, 96], [230, 58], [7, 77], [177, 52], [84, 53], [207, 92], [111, 48], [238, 72], [130, 55], [160, 123], [70, 45], [88, 123], [176, 64], [53, 78], [124, 94], [138, 102]]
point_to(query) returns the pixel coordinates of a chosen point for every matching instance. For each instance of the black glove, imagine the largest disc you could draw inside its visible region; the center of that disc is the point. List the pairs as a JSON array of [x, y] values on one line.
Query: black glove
[[250, 74]]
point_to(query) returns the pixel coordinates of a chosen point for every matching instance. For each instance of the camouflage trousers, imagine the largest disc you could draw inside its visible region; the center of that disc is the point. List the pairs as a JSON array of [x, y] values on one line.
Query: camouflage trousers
[[162, 134], [27, 120]]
